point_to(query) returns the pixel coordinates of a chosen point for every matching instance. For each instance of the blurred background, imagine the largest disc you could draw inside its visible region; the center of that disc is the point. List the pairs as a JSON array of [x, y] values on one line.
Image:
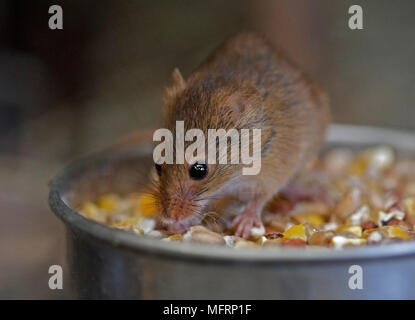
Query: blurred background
[[64, 93]]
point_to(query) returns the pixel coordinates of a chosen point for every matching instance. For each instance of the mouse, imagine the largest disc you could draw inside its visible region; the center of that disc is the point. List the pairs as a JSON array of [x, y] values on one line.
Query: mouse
[[245, 83]]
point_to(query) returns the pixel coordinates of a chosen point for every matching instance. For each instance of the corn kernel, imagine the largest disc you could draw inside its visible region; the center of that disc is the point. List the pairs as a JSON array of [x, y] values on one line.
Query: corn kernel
[[356, 230], [396, 232], [243, 244], [409, 205], [384, 218], [320, 238], [91, 211], [313, 219], [340, 242], [295, 232], [349, 203], [108, 203], [173, 238], [381, 157], [368, 232], [125, 225], [359, 166], [359, 216]]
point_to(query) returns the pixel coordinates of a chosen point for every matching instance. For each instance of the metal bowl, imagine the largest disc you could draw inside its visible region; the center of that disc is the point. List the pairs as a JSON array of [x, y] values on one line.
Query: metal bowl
[[110, 263]]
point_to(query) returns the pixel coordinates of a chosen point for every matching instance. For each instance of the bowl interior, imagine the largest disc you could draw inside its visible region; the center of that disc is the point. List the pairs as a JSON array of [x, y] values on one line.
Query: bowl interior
[[124, 170]]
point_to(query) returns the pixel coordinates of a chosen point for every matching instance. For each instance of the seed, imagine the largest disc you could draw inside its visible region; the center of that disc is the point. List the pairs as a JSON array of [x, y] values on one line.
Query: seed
[[411, 221], [381, 158], [337, 160], [358, 217], [356, 230], [395, 222], [298, 243], [257, 232], [340, 242], [108, 203], [173, 238], [396, 232], [230, 240], [295, 232], [369, 225], [409, 204], [384, 218], [320, 238], [156, 234], [200, 234], [146, 225], [261, 241], [244, 244], [375, 237], [313, 219], [331, 226], [91, 211], [125, 225], [359, 166], [348, 204]]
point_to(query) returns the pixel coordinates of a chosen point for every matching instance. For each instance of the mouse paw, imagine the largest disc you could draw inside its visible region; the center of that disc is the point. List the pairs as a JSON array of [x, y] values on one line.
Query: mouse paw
[[244, 223]]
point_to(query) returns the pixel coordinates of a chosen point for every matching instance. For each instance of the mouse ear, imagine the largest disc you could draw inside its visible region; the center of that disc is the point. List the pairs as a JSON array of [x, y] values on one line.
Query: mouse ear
[[178, 80], [179, 84]]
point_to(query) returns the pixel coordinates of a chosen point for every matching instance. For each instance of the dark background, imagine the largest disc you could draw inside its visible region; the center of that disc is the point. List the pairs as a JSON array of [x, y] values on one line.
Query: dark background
[[67, 92]]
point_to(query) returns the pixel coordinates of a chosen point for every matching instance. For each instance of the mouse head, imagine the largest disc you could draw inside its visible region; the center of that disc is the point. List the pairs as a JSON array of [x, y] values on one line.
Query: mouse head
[[207, 160]]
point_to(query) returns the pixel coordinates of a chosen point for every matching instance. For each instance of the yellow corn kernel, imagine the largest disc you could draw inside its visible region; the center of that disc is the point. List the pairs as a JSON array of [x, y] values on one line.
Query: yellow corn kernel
[[173, 238], [108, 203], [356, 230], [147, 205], [314, 219], [295, 232], [359, 166], [396, 232], [91, 211], [409, 204], [124, 224]]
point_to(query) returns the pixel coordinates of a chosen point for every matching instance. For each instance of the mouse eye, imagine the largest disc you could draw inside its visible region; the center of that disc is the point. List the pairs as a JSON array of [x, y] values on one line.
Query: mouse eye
[[158, 168], [198, 171]]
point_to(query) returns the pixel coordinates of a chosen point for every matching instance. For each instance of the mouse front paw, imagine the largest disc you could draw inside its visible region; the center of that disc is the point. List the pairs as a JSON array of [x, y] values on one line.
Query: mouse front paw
[[244, 223]]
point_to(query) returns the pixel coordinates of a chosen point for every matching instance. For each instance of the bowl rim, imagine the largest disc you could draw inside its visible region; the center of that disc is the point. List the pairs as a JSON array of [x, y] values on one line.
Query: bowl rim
[[338, 133]]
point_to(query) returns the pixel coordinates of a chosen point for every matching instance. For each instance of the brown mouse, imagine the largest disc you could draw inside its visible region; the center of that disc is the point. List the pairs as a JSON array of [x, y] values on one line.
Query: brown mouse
[[245, 83]]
